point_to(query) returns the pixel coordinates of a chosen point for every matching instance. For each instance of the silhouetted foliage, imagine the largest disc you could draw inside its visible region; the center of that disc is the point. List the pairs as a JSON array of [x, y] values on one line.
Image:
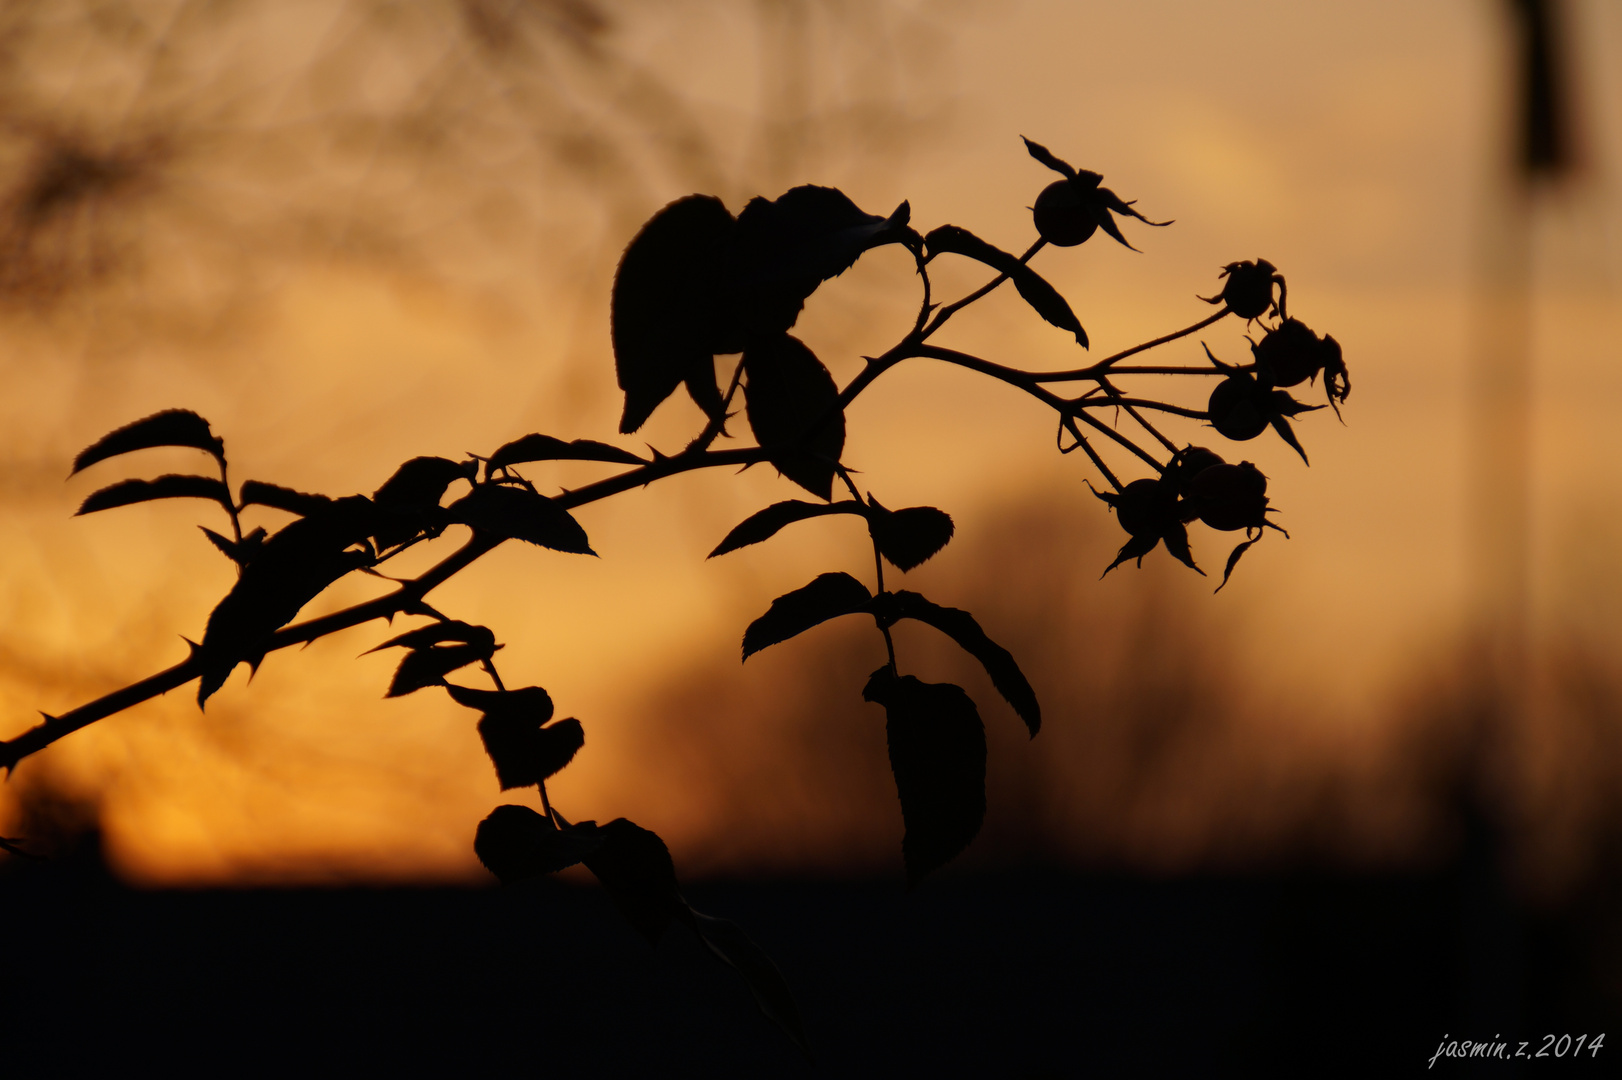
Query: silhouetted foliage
[[696, 283]]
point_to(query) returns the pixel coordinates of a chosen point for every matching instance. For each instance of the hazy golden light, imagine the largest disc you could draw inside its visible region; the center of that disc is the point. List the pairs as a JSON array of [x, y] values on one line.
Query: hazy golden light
[[349, 242]]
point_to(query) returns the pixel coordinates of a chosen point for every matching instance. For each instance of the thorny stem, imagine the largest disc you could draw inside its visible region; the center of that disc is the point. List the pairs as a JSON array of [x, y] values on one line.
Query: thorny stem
[[1068, 423], [409, 595], [878, 573], [717, 424]]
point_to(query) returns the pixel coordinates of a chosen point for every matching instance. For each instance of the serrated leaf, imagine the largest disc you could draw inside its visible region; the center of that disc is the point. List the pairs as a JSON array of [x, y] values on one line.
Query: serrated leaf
[[515, 843], [225, 544], [910, 536], [525, 753], [286, 573], [170, 486], [1046, 157], [765, 524], [172, 427], [521, 514], [1233, 560], [664, 309], [634, 865], [547, 448], [793, 408], [826, 597], [783, 249], [1041, 296], [257, 492], [729, 944], [436, 633], [962, 628], [429, 666], [938, 755]]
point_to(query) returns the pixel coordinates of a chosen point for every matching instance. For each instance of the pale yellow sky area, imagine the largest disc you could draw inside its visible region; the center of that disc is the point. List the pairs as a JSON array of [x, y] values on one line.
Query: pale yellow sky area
[[447, 295]]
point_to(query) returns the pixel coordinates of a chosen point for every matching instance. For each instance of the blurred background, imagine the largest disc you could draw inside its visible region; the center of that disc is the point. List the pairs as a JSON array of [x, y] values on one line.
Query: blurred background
[[353, 232]]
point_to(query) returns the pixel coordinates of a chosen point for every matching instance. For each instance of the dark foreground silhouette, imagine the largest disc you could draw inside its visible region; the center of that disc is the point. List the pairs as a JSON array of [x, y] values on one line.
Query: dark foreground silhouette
[[1033, 973]]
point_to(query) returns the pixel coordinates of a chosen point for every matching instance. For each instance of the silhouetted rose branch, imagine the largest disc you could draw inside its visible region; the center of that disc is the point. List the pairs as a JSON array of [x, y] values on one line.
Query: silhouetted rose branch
[[698, 282]]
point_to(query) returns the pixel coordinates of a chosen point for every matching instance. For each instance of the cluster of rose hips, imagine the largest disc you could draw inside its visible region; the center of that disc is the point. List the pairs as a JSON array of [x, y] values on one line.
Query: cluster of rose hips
[[1197, 484]]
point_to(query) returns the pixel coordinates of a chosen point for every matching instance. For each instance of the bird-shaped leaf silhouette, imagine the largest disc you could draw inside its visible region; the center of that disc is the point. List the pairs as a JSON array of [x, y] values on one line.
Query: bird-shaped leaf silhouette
[[515, 843], [170, 486], [729, 944], [408, 501], [1034, 288], [766, 523], [962, 628], [546, 448], [664, 308], [437, 633], [782, 249], [520, 514], [938, 755], [286, 573], [172, 427], [257, 492], [793, 407], [531, 699], [826, 597], [634, 865], [910, 536], [428, 666]]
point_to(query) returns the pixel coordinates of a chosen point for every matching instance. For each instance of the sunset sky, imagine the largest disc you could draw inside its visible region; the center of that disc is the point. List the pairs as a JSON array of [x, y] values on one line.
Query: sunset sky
[[350, 234]]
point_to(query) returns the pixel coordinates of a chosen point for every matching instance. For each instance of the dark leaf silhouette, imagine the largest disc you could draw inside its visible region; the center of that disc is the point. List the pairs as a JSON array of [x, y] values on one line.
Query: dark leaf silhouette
[[257, 492], [962, 628], [546, 448], [288, 571], [1136, 547], [827, 597], [437, 633], [429, 666], [240, 552], [1036, 291], [663, 310], [634, 865], [910, 536], [766, 523], [422, 481], [523, 751], [225, 544], [172, 427], [782, 249], [938, 755], [520, 514], [727, 941], [793, 407], [515, 843], [171, 486], [1046, 157]]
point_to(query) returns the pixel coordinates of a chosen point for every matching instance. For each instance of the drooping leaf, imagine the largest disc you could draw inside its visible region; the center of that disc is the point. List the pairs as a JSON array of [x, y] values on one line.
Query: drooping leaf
[[910, 536], [525, 753], [437, 633], [782, 249], [286, 573], [515, 843], [429, 666], [765, 524], [1176, 540], [938, 755], [634, 865], [1287, 433], [729, 944], [826, 597], [529, 699], [793, 408], [225, 544], [172, 427], [1034, 288], [546, 448], [520, 514], [664, 309], [170, 486], [962, 628], [1233, 560], [1046, 157], [257, 492]]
